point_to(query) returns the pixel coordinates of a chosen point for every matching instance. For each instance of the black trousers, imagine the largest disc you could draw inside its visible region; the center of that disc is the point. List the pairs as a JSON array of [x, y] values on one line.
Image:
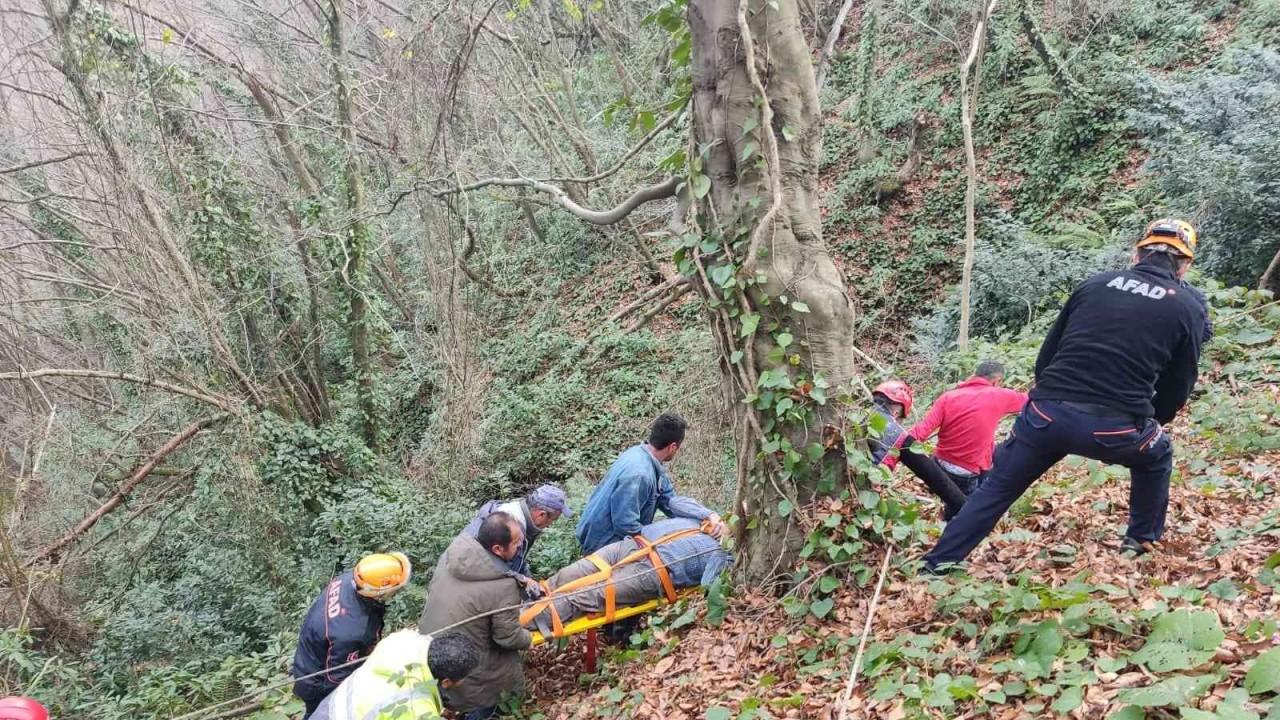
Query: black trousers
[[935, 478], [1044, 433], [311, 697]]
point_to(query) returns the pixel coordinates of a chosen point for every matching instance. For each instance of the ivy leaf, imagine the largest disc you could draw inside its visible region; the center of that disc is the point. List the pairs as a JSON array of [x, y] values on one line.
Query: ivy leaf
[[799, 307], [1129, 713], [701, 185], [748, 150], [784, 340], [751, 124], [1177, 691], [1253, 336], [686, 618], [1224, 589], [717, 606], [718, 713], [750, 322], [820, 608], [1264, 675], [828, 584], [788, 134], [1166, 656], [1069, 700], [785, 507], [735, 357], [868, 499], [1180, 640], [721, 274]]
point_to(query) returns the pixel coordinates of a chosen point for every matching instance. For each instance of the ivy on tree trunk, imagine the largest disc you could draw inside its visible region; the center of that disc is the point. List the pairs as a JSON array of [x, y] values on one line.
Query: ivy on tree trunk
[[782, 319]]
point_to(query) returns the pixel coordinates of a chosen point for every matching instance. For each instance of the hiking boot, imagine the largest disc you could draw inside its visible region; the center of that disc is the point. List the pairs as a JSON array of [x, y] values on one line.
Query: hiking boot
[[1133, 548], [945, 569]]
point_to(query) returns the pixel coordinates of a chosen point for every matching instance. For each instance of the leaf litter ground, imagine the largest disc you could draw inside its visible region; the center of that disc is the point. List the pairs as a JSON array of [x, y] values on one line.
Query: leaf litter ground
[[1043, 626]]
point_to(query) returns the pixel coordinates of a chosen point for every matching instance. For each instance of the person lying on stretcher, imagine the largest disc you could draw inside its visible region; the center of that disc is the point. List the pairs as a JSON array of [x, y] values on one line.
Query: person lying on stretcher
[[688, 556]]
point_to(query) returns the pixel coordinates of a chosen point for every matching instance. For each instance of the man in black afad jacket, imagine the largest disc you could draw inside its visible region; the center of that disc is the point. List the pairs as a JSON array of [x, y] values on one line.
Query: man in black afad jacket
[[1118, 364], [344, 624]]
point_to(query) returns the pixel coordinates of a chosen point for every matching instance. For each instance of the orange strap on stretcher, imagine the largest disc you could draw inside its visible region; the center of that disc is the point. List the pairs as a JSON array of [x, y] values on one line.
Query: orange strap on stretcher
[[604, 574]]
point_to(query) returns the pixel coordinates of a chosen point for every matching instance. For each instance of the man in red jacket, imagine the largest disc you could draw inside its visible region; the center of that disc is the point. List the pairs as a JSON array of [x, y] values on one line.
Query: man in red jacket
[[965, 419]]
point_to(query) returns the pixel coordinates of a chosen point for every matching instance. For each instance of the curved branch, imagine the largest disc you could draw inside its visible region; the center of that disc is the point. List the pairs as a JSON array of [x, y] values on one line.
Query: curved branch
[[215, 400], [470, 249], [668, 122], [665, 189]]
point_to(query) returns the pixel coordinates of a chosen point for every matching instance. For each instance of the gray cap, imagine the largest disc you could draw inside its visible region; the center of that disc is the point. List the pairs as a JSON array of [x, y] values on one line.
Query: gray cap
[[551, 498]]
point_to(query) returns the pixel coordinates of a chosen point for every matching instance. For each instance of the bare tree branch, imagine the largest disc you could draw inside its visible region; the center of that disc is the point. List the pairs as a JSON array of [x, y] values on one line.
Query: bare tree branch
[[38, 163], [118, 497], [833, 36], [668, 122], [665, 189], [205, 397]]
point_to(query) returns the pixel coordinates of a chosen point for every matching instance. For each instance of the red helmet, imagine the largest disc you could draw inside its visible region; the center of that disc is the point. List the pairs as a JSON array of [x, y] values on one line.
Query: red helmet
[[22, 708], [897, 391]]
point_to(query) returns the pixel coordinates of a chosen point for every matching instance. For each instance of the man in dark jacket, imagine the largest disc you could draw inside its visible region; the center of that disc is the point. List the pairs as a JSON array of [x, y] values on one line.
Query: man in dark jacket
[[343, 625], [472, 579], [1119, 363]]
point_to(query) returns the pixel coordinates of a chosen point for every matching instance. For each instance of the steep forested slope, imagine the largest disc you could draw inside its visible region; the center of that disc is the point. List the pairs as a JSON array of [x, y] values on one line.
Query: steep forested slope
[[370, 340]]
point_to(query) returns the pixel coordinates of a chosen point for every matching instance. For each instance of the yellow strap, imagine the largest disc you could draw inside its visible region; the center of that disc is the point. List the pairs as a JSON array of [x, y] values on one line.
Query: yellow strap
[[661, 569], [610, 596]]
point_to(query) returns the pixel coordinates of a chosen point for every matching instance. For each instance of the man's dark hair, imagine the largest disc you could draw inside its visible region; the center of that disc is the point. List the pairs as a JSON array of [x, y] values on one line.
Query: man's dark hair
[[452, 656], [1160, 256], [989, 369], [495, 530], [666, 429]]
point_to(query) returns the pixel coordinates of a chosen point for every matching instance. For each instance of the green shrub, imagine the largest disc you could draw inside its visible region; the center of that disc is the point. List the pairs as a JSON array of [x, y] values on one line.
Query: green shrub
[[557, 414], [1016, 280], [1214, 137]]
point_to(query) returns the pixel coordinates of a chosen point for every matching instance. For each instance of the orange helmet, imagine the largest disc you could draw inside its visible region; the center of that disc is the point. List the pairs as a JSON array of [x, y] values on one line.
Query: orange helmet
[[381, 575], [22, 708], [1177, 234], [896, 391]]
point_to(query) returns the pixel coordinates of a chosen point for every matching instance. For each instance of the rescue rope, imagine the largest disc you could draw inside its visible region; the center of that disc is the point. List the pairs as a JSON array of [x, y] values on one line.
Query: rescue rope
[[276, 686]]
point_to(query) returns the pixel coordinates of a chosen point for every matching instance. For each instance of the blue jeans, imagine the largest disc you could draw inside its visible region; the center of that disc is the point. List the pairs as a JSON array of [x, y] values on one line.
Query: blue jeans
[[968, 484], [483, 713], [1043, 434]]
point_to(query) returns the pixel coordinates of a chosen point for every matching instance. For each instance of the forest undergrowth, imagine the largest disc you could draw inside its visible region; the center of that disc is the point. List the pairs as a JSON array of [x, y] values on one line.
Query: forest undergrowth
[[1050, 620]]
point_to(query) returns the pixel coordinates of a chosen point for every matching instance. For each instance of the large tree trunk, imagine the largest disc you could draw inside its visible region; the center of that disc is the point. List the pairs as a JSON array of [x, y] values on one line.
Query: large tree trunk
[[760, 215]]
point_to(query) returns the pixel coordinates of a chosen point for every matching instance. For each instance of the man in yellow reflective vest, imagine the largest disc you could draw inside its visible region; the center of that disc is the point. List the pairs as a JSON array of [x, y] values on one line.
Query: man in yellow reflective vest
[[402, 678]]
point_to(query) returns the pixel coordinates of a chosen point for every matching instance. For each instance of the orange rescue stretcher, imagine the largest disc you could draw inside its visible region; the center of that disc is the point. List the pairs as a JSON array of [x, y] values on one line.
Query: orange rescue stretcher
[[612, 613]]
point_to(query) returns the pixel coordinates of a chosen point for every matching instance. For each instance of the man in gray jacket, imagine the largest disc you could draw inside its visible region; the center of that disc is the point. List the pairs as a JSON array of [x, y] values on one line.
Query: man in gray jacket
[[472, 579], [535, 512]]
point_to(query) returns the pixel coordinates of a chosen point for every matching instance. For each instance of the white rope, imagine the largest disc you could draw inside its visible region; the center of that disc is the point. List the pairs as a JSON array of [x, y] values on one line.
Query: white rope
[[275, 686]]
